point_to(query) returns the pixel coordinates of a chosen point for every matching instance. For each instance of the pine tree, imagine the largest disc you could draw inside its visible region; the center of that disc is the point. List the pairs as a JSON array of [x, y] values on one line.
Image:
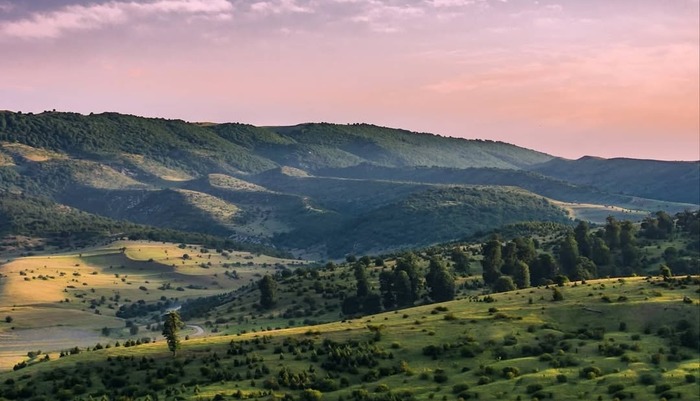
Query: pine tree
[[172, 325]]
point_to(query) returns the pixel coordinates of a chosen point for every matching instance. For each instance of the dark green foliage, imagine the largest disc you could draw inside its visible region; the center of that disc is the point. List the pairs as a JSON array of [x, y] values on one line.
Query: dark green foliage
[[441, 284], [557, 295], [568, 255], [171, 328], [583, 239], [521, 275], [268, 291], [363, 287], [461, 261], [62, 226], [503, 284], [643, 178], [492, 260]]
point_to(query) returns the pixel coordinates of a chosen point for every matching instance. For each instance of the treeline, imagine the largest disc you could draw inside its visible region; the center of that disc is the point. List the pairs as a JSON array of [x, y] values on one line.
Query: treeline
[[167, 141], [582, 253], [66, 227], [405, 284]]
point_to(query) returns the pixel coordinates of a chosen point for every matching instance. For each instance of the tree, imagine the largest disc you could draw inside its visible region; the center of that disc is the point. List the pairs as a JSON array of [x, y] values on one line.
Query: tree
[[503, 284], [612, 232], [543, 268], [585, 269], [600, 252], [568, 255], [526, 250], [171, 327], [665, 272], [402, 288], [665, 223], [582, 239], [268, 291], [386, 289], [521, 275], [409, 264], [363, 287], [440, 282], [8, 319], [510, 258], [461, 261], [492, 261]]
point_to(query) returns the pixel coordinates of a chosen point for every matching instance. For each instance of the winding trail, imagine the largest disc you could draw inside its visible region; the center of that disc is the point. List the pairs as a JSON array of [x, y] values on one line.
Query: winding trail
[[198, 330]]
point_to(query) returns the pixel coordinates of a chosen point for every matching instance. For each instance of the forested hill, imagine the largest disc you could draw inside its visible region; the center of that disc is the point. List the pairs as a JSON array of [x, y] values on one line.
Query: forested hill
[[673, 181], [229, 147], [318, 189]]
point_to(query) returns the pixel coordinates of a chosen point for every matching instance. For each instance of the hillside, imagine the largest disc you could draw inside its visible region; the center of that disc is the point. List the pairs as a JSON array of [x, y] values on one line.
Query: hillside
[[671, 181], [322, 190], [514, 345]]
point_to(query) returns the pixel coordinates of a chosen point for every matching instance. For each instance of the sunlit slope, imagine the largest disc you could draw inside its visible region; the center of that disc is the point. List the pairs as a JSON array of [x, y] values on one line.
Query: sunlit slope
[[623, 338]]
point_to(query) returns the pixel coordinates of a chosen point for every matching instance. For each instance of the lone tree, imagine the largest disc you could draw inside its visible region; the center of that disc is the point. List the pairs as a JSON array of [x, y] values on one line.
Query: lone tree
[[171, 327], [268, 291]]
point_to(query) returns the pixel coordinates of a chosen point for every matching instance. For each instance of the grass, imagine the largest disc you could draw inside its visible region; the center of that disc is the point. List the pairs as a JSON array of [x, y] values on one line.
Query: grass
[[60, 291], [474, 346]]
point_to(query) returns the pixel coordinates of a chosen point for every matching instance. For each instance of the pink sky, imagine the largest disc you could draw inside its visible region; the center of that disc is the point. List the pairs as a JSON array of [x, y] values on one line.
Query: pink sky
[[570, 78]]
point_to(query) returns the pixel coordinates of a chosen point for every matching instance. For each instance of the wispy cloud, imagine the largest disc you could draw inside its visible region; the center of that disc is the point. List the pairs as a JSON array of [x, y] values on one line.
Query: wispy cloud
[[384, 17], [94, 16], [6, 6], [280, 7]]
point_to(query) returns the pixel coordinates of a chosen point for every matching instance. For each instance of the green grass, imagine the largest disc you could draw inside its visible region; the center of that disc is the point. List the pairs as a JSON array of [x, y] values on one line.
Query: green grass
[[474, 346]]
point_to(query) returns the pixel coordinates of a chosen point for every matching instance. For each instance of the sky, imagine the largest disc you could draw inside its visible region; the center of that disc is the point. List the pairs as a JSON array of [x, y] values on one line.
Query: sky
[[609, 78]]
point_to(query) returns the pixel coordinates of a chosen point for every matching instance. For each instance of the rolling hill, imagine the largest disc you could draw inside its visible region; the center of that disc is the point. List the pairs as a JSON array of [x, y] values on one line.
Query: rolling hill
[[334, 189]]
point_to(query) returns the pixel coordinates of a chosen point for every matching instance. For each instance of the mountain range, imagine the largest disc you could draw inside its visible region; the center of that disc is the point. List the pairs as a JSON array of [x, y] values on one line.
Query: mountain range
[[317, 189]]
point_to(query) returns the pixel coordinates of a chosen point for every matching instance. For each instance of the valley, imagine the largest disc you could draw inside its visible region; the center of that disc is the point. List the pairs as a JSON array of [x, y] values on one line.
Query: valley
[[337, 262]]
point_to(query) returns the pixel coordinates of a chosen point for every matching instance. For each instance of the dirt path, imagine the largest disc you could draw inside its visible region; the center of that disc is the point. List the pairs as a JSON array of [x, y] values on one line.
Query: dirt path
[[198, 330]]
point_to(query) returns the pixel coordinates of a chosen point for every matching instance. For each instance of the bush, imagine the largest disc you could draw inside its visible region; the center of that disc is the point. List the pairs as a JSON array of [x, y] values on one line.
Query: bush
[[591, 372], [614, 388], [561, 378], [533, 388], [458, 388], [647, 379], [440, 376], [311, 395], [557, 295]]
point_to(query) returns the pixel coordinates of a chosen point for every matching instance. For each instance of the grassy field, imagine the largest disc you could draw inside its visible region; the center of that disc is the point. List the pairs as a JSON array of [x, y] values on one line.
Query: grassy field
[[607, 339], [76, 295]]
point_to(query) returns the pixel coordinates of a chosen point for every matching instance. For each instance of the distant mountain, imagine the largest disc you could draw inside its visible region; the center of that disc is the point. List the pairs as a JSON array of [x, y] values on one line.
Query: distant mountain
[[319, 189], [665, 180]]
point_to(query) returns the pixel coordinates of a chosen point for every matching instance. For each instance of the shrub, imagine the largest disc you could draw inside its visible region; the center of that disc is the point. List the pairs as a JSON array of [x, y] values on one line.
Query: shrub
[[311, 395], [458, 388], [647, 379], [591, 372], [614, 388], [561, 378], [440, 376], [533, 388], [557, 295]]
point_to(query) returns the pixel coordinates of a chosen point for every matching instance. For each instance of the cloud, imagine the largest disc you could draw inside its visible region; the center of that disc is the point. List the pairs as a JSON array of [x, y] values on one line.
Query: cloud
[[6, 7], [95, 16], [280, 7], [387, 18]]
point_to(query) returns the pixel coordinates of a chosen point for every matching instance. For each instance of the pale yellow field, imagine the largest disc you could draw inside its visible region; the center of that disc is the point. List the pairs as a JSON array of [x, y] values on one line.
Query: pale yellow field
[[49, 296]]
